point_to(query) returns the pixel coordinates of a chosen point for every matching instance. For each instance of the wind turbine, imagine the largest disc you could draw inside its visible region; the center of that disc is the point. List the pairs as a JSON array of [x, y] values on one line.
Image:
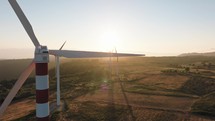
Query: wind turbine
[[57, 60], [40, 64]]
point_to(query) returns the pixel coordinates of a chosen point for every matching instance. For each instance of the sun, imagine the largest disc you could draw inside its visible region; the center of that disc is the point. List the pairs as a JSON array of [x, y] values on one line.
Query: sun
[[109, 41]]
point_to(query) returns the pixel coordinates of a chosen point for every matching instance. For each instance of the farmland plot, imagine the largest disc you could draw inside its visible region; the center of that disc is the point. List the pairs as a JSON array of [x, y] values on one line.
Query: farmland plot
[[149, 88]]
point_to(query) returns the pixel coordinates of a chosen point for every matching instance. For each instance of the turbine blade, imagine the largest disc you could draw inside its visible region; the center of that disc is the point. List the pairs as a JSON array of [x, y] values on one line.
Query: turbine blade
[[16, 87], [62, 45], [88, 54], [26, 24]]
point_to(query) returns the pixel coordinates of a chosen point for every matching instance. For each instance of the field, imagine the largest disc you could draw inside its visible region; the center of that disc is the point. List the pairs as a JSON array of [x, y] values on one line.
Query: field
[[138, 89]]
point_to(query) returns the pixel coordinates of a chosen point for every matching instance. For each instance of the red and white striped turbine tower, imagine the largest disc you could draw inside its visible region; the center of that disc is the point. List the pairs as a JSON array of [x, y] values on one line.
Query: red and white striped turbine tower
[[40, 64]]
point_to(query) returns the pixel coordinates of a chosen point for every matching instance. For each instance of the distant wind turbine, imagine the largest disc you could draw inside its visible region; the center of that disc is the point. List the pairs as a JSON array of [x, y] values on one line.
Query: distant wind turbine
[[57, 60], [40, 64]]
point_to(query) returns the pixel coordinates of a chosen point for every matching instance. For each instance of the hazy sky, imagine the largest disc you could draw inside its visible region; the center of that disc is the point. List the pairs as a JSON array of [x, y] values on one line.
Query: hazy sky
[[153, 27]]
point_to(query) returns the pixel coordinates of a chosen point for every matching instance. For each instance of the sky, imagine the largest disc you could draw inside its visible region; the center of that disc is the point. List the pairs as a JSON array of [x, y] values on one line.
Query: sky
[[151, 27]]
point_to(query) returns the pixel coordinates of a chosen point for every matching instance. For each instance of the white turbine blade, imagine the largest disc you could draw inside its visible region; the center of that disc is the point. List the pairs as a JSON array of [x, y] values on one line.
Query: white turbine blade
[[16, 87], [26, 24], [62, 45], [88, 54]]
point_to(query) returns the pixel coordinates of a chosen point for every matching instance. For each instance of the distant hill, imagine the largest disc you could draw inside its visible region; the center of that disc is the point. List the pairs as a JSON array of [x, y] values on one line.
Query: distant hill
[[13, 53], [198, 54]]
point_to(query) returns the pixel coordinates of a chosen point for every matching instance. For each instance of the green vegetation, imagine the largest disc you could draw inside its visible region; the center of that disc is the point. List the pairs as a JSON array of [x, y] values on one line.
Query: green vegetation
[[55, 116], [165, 116], [156, 91], [11, 69], [191, 78], [29, 117], [199, 85], [79, 77], [205, 105], [25, 92], [91, 111]]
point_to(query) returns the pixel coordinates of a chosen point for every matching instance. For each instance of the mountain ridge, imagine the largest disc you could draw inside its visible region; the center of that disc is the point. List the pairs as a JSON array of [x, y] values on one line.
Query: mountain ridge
[[198, 54]]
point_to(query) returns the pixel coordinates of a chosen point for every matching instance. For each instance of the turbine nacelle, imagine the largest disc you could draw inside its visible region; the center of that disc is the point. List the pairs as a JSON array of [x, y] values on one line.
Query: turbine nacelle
[[41, 54]]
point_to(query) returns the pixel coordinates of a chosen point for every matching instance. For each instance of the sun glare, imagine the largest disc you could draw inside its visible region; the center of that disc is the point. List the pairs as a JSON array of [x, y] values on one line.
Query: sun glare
[[109, 41]]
